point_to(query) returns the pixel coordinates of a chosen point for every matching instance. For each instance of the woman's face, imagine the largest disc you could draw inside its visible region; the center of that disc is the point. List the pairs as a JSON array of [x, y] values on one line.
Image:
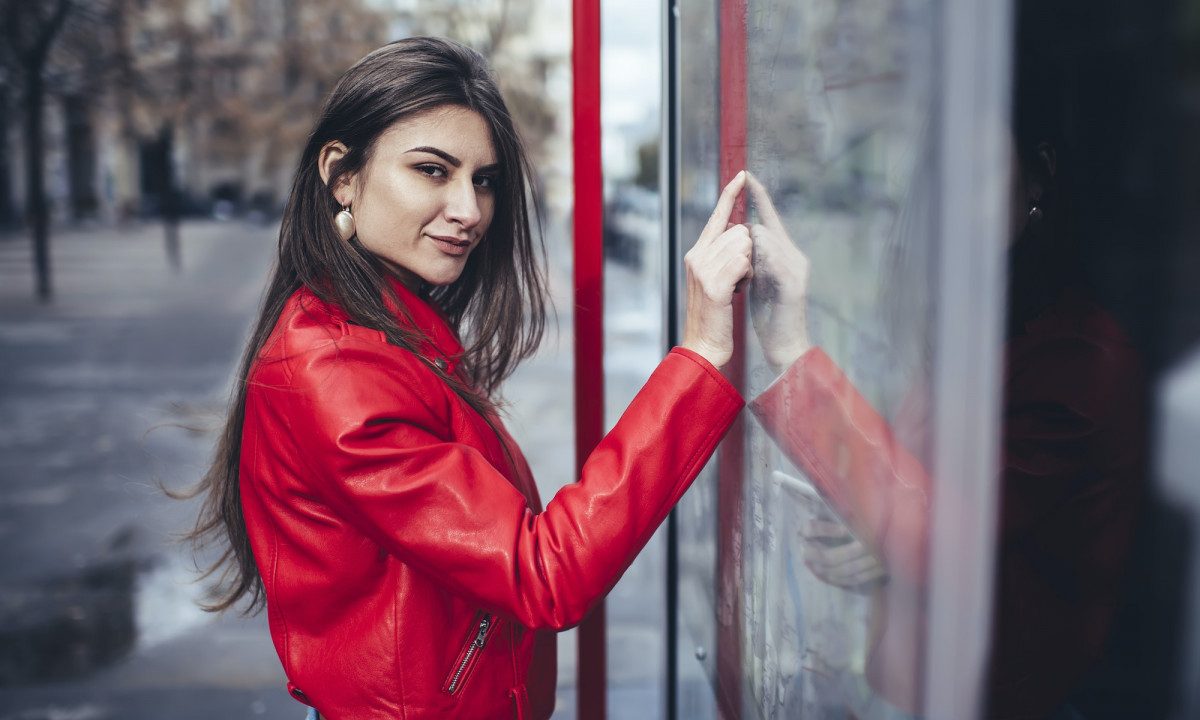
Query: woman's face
[[426, 197]]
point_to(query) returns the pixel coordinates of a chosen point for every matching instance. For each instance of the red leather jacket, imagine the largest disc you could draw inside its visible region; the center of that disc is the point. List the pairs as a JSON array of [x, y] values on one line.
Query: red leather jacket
[[410, 570]]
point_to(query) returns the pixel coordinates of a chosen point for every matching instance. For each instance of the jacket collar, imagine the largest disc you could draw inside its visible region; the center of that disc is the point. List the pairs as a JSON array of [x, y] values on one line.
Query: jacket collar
[[442, 343]]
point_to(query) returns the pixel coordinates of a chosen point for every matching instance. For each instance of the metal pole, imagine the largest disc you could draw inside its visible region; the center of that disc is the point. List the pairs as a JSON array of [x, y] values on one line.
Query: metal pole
[[589, 314]]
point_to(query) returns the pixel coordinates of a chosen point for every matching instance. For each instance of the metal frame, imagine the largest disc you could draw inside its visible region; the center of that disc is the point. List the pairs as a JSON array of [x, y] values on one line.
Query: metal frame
[[975, 54], [731, 38], [668, 183], [588, 271]]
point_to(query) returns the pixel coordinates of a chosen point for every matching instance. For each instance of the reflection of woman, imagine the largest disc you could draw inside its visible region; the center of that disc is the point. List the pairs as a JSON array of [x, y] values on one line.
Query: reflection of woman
[[367, 489], [1072, 456]]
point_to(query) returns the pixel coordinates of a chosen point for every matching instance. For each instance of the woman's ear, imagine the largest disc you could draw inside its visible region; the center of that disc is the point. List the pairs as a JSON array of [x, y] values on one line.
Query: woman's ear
[[1040, 176], [1047, 159], [332, 152]]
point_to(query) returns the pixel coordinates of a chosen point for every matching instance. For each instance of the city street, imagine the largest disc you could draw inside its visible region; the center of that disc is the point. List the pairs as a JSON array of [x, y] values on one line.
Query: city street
[[114, 387]]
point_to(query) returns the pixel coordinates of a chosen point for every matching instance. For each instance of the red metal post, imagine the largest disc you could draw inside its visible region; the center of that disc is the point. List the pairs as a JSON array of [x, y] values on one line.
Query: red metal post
[[730, 460], [589, 314]]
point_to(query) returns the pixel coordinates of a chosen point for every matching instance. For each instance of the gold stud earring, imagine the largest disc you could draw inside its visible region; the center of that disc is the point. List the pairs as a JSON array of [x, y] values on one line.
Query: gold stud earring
[[344, 222]]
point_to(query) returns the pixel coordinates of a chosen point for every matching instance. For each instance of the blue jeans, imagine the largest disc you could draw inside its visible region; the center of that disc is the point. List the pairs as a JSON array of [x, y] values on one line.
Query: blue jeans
[[312, 714]]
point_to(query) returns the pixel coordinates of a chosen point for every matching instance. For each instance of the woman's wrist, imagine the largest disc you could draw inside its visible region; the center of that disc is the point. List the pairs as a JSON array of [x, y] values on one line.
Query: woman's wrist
[[781, 359], [715, 356], [778, 358]]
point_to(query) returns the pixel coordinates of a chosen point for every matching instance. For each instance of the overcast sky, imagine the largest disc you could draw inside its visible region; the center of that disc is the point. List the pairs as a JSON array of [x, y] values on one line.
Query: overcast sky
[[630, 77]]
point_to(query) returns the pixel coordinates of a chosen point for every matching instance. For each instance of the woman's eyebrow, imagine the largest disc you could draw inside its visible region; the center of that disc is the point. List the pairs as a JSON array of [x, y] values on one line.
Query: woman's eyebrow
[[448, 157]]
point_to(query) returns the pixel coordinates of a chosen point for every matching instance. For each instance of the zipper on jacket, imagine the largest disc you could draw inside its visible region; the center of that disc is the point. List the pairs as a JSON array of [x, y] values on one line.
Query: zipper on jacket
[[472, 651]]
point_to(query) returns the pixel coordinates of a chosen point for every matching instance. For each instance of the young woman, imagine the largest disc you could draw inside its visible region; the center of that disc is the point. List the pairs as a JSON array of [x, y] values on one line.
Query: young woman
[[366, 488]]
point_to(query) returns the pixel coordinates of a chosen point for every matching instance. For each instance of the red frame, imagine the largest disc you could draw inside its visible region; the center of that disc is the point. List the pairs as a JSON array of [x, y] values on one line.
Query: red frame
[[730, 458], [589, 315]]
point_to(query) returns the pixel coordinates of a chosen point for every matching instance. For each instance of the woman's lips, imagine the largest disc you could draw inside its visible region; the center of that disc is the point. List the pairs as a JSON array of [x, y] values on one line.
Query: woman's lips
[[451, 245]]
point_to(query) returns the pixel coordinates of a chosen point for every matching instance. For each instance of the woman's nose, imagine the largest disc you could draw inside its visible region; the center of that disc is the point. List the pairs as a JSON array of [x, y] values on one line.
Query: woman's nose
[[462, 203]]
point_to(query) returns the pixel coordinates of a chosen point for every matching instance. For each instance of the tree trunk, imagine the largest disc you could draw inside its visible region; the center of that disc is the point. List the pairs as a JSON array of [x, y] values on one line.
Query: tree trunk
[[170, 197], [35, 180], [8, 211]]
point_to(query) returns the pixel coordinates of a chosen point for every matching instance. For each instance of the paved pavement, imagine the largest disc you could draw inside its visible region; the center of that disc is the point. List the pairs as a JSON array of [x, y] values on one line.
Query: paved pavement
[[117, 386], [114, 387]]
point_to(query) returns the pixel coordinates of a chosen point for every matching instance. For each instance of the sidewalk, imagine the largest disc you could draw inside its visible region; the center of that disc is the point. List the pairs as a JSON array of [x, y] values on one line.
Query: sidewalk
[[114, 386]]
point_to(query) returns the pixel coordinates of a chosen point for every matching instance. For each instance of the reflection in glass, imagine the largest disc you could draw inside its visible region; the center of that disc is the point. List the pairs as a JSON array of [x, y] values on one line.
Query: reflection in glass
[[859, 430], [839, 131]]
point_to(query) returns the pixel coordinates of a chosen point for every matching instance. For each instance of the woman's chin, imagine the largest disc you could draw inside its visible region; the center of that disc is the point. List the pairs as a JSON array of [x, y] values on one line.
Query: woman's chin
[[442, 271], [442, 276]]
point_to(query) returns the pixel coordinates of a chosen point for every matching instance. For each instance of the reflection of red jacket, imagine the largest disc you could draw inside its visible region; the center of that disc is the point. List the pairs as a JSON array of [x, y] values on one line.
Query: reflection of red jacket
[[1072, 454], [409, 568]]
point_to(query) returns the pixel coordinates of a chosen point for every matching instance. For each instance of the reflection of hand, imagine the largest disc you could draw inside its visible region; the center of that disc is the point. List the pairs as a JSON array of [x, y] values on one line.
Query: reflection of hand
[[716, 265], [779, 290], [837, 558]]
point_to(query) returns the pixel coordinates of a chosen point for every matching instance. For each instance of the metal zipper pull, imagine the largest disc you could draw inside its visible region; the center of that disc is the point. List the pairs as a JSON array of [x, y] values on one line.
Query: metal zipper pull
[[484, 624], [476, 645]]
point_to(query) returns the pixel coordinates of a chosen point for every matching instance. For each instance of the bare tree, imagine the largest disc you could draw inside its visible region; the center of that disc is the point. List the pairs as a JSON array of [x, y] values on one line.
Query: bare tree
[[491, 27], [317, 42], [30, 30], [155, 87], [250, 89]]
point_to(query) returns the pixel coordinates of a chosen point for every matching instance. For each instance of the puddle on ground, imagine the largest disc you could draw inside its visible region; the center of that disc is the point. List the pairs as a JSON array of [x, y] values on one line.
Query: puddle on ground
[[67, 627]]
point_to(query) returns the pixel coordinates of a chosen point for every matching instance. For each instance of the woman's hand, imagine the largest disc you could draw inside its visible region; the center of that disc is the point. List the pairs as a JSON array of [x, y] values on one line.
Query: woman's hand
[[779, 291], [716, 264], [837, 558]]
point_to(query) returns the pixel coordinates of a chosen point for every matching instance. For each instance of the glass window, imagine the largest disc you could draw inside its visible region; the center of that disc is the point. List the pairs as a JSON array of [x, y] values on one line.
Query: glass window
[[804, 571], [631, 127]]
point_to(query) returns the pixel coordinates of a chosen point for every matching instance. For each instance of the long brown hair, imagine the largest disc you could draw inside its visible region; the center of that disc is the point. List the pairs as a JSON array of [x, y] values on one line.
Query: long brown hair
[[497, 303]]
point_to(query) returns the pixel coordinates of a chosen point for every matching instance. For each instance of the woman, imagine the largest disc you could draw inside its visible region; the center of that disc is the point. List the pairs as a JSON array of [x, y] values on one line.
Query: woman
[[367, 489]]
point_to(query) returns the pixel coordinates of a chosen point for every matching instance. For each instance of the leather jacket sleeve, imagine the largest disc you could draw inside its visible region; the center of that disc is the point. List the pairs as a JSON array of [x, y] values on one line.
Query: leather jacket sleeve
[[826, 428], [1070, 420], [371, 425]]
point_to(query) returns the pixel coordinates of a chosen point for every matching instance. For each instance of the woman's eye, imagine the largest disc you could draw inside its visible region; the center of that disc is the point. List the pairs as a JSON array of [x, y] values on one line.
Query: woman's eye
[[485, 181], [432, 170]]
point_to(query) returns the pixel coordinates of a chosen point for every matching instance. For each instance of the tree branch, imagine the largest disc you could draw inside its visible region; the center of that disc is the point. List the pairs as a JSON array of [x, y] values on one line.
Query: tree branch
[[46, 37]]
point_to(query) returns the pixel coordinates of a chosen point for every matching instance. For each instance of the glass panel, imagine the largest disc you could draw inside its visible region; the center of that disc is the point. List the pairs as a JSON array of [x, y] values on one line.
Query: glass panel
[[841, 141], [864, 589], [841, 138], [699, 146], [631, 124]]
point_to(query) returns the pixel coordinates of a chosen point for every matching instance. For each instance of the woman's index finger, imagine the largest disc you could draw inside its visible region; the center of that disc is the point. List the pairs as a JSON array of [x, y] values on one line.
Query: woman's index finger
[[762, 200], [719, 219]]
